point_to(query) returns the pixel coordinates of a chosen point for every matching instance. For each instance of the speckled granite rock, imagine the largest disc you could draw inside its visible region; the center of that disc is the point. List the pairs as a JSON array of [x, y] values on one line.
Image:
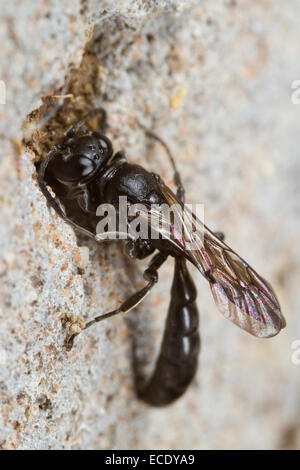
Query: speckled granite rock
[[213, 79]]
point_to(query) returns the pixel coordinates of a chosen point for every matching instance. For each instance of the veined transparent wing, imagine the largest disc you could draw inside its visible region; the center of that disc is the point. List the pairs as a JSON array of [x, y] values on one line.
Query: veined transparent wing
[[240, 294]]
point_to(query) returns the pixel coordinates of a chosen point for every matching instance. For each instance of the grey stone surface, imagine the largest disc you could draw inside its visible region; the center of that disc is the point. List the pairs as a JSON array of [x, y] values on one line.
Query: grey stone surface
[[214, 80]]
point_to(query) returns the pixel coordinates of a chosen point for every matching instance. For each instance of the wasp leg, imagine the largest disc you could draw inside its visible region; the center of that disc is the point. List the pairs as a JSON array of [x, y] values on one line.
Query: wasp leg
[[42, 183], [177, 179], [150, 275], [85, 118]]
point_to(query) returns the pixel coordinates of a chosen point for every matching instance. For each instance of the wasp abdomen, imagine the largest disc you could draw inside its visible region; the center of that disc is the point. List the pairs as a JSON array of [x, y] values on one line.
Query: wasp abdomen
[[177, 361]]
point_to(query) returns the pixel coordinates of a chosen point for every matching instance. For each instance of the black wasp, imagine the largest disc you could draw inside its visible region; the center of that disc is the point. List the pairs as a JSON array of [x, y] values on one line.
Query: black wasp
[[84, 172]]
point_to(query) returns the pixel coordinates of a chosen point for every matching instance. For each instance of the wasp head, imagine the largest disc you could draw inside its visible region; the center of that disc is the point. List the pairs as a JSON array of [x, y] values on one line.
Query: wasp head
[[81, 158]]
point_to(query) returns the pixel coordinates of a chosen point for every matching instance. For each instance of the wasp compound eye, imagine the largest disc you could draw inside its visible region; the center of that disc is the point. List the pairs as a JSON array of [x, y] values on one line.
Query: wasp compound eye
[[75, 169]]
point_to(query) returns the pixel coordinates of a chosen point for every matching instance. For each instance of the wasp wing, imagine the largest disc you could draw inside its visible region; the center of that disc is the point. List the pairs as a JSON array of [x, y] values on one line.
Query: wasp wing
[[240, 294]]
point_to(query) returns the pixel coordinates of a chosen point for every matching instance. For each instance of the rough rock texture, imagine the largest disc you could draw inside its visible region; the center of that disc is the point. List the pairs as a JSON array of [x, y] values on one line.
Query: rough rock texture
[[214, 80]]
